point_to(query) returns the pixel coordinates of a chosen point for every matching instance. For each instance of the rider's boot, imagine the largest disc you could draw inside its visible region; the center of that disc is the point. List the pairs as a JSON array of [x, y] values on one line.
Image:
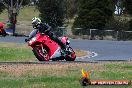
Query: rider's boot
[[67, 50]]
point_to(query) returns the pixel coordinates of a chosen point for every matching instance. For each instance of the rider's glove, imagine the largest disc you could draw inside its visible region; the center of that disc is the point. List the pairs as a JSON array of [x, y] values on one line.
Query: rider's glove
[[26, 40]]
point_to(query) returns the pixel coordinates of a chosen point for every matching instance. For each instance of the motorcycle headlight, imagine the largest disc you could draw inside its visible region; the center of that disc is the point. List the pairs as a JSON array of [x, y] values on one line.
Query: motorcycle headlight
[[32, 40]]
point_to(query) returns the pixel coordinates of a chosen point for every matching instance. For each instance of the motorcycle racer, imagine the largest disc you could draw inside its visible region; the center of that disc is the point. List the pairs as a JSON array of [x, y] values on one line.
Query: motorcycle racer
[[44, 28]]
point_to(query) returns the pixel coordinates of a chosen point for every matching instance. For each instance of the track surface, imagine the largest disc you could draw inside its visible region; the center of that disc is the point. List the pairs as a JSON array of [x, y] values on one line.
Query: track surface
[[102, 49]]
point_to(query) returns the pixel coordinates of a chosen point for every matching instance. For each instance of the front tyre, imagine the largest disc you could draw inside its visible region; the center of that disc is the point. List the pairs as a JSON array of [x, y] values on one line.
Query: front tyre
[[41, 54], [72, 56]]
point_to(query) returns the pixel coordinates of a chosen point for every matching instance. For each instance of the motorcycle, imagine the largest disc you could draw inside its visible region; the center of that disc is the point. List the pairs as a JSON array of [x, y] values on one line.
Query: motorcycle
[[46, 49]]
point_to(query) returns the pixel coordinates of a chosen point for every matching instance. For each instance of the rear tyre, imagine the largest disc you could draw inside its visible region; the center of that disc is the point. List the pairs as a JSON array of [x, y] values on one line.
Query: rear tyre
[[72, 56], [41, 55]]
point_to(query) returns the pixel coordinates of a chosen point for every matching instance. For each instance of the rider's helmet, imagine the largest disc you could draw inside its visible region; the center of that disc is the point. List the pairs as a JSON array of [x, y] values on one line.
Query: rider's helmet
[[36, 21]]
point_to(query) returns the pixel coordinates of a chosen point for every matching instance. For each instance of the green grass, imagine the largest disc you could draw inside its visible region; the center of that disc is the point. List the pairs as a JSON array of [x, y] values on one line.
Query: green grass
[[22, 52], [15, 54], [46, 82], [61, 75]]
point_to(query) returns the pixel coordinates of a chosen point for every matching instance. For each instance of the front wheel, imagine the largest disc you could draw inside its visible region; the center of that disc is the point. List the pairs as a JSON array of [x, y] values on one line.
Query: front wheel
[[41, 53], [72, 56]]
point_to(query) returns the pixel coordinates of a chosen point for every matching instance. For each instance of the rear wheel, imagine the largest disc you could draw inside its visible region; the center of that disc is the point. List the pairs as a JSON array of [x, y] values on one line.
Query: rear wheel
[[41, 54], [72, 56]]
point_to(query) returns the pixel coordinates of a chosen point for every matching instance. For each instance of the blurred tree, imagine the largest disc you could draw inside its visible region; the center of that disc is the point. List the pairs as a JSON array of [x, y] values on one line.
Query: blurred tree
[[1, 7], [93, 14], [128, 6], [71, 8], [13, 7], [130, 25], [26, 2], [52, 11], [117, 25]]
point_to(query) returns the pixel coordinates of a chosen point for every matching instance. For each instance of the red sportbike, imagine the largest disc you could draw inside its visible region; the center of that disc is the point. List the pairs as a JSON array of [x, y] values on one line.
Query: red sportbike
[[46, 49]]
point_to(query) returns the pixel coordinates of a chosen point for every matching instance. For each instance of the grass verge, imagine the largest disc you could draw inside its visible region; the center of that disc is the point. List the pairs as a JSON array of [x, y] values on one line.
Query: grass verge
[[21, 52], [64, 75], [56, 75]]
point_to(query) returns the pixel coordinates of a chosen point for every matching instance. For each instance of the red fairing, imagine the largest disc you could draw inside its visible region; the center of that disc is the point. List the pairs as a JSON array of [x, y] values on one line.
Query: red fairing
[[45, 40]]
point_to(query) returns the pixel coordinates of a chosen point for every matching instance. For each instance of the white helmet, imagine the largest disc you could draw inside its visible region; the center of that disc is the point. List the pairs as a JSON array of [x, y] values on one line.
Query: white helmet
[[36, 21]]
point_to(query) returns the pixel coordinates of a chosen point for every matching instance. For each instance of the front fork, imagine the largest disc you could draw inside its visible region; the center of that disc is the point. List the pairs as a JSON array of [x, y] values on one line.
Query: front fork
[[42, 48]]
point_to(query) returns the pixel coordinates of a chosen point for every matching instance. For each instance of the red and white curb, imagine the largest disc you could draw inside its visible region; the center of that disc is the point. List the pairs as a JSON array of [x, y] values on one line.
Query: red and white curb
[[89, 55]]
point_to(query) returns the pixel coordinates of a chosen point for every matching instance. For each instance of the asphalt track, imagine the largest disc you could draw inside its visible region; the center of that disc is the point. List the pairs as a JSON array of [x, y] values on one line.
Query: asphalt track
[[102, 50]]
